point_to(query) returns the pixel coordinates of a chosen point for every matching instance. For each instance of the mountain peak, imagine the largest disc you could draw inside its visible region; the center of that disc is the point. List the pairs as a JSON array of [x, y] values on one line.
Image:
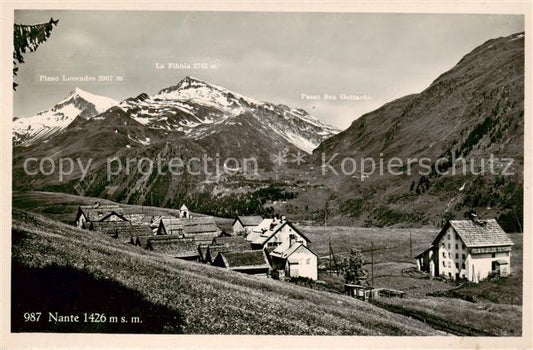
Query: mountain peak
[[187, 83], [56, 118], [190, 78], [76, 91], [192, 89], [101, 103]]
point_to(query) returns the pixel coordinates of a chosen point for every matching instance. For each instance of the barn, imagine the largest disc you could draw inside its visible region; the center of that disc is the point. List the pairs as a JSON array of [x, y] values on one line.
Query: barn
[[245, 224], [121, 230], [470, 249], [97, 212], [231, 241], [251, 262], [180, 248], [201, 229]]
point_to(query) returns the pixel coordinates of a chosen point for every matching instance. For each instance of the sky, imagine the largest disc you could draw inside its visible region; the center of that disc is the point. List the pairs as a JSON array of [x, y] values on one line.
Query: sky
[[290, 58]]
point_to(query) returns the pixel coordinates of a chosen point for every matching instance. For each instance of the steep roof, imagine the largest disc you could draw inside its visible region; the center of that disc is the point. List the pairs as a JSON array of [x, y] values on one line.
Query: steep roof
[[424, 252], [140, 230], [250, 220], [138, 218], [176, 247], [110, 226], [213, 250], [142, 240], [172, 226], [266, 235], [244, 259], [263, 225], [479, 233], [190, 227], [123, 230], [288, 252], [202, 250], [238, 241], [156, 220], [97, 213]]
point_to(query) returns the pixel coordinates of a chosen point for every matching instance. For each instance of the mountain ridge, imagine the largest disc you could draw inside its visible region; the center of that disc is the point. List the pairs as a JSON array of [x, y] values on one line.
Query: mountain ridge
[[474, 110], [78, 103]]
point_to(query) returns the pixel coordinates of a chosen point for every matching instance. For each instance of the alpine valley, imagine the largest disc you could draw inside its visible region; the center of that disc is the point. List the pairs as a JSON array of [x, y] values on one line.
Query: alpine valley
[[473, 111]]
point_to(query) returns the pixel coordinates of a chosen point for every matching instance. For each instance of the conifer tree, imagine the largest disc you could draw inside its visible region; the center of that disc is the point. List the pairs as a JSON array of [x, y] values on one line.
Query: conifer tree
[[353, 267], [29, 37]]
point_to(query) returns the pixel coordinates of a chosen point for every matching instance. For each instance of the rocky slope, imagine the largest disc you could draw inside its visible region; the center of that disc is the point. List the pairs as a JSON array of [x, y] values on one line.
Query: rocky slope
[[472, 111], [44, 124]]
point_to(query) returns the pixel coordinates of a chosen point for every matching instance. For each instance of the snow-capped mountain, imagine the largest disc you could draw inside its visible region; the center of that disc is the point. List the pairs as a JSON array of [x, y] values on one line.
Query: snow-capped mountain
[[196, 109], [46, 123]]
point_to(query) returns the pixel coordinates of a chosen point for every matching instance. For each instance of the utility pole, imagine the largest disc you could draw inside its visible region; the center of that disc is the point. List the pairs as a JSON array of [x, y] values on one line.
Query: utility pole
[[410, 245], [372, 263], [329, 254]]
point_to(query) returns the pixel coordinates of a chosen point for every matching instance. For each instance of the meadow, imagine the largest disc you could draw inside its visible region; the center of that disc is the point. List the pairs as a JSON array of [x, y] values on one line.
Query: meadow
[[195, 294]]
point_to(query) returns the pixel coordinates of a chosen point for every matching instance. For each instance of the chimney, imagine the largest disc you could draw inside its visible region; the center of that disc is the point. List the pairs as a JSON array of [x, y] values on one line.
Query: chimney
[[475, 219]]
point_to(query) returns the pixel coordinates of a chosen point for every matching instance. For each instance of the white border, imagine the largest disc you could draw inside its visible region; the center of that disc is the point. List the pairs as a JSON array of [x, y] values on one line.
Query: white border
[[28, 340]]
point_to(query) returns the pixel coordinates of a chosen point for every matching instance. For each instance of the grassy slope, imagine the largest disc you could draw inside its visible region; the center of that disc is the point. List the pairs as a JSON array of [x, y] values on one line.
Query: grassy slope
[[207, 299], [497, 319], [63, 207], [391, 253], [497, 309]]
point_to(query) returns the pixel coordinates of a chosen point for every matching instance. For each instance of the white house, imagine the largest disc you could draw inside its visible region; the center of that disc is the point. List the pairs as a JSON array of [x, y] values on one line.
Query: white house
[[273, 233], [287, 247], [471, 249], [296, 261]]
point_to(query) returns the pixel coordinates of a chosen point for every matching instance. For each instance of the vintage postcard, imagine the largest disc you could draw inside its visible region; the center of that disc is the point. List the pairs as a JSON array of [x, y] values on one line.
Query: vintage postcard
[[257, 170]]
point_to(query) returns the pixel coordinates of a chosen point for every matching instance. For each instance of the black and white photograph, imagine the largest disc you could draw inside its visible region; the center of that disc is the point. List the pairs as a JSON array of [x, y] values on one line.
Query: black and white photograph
[[281, 173]]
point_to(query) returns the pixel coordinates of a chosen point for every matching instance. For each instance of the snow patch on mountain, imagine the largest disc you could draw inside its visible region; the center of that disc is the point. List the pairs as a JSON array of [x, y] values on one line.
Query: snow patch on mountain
[[193, 104], [48, 122]]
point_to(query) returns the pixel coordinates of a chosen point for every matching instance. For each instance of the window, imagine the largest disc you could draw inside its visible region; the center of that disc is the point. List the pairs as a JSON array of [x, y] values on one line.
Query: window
[[449, 246], [456, 256], [456, 236], [493, 255], [457, 265], [456, 246], [292, 236], [464, 247], [444, 254], [444, 263], [449, 264], [450, 254], [449, 236], [308, 261], [463, 266], [464, 257]]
